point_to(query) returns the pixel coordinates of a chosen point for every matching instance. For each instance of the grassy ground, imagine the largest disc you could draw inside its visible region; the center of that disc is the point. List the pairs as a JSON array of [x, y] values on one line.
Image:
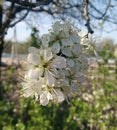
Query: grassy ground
[[95, 107]]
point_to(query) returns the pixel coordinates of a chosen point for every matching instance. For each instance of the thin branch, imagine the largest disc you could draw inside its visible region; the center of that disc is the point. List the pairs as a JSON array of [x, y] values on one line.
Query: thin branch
[[108, 19], [12, 11], [98, 11], [86, 16], [23, 17], [1, 18], [108, 5], [30, 4]]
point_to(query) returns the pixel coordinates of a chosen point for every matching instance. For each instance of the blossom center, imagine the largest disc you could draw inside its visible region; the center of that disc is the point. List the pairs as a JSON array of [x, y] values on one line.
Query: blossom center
[[45, 65]]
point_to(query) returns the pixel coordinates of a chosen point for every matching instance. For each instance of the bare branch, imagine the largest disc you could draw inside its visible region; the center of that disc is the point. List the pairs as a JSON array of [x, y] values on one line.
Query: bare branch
[[98, 11], [23, 17], [30, 4], [9, 18], [106, 9], [1, 16], [86, 16], [107, 18]]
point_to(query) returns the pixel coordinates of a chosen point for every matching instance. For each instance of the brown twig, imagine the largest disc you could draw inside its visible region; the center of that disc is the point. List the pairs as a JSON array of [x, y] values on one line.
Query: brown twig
[[86, 16], [23, 17], [30, 4]]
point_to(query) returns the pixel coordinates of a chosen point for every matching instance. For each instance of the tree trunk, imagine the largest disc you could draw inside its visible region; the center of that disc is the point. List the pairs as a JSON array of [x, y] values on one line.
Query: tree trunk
[[1, 49]]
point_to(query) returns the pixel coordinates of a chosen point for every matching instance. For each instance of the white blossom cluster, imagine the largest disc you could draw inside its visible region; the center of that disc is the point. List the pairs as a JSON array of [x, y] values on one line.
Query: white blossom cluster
[[56, 69]]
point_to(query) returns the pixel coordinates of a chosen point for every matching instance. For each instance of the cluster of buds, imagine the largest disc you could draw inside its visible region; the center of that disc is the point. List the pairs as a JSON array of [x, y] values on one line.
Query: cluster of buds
[[56, 69]]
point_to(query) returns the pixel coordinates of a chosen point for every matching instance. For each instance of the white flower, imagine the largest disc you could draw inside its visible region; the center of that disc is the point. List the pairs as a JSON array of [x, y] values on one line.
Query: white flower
[[45, 64], [34, 73], [53, 95], [44, 98], [32, 87], [42, 92], [85, 39], [87, 97], [58, 95], [57, 69]]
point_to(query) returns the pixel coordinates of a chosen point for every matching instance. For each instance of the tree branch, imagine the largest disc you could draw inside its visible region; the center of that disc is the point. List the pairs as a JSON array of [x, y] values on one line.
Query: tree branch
[[86, 16], [23, 17], [1, 16], [98, 11], [11, 13], [30, 4]]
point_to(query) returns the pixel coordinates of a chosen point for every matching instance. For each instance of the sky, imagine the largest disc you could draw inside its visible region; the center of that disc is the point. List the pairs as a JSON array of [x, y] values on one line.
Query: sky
[[23, 30]]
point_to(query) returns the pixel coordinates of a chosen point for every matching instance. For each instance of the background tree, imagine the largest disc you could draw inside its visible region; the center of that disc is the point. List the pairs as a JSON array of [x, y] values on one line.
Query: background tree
[[106, 49]]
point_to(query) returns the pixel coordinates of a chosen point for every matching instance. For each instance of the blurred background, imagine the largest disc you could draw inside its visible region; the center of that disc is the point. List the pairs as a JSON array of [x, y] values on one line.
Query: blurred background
[[22, 22]]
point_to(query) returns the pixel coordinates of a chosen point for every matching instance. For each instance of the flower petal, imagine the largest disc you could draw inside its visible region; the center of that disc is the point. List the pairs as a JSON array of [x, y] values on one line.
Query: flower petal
[[70, 62], [35, 73], [33, 58], [77, 49], [47, 55], [56, 47], [45, 40], [59, 62], [58, 95], [75, 38], [43, 98], [56, 27], [33, 50], [66, 42], [50, 78], [66, 51]]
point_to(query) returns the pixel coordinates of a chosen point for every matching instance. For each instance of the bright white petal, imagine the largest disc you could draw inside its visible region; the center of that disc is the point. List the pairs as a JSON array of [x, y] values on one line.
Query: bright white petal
[[59, 62], [27, 91], [36, 97], [58, 95], [49, 96], [41, 71], [35, 73], [47, 55], [43, 98], [37, 86], [33, 58], [32, 87], [50, 78]]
